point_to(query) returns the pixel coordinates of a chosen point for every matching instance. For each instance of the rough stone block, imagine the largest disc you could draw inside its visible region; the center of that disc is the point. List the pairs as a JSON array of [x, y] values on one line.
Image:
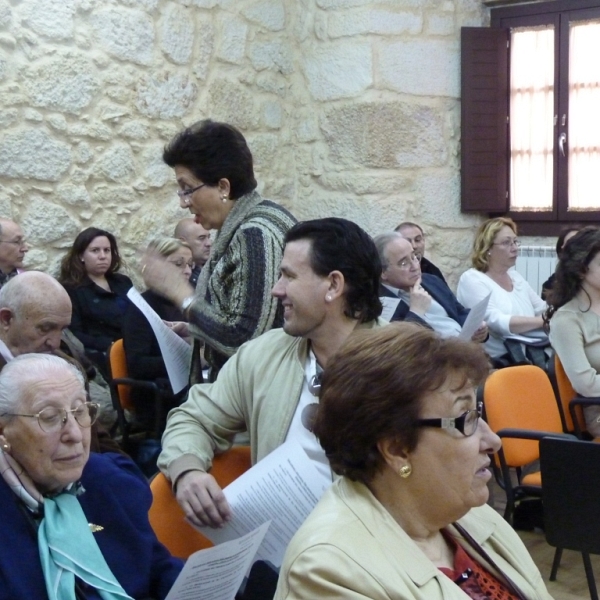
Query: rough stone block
[[385, 135], [337, 71], [73, 195], [5, 14], [65, 82], [33, 154], [149, 5], [274, 83], [134, 130], [233, 104], [177, 33], [50, 18], [204, 48], [268, 13], [156, 172], [57, 122], [165, 96], [232, 47], [83, 153], [95, 130], [46, 222], [274, 55], [8, 116], [345, 23], [273, 114], [125, 33], [117, 163], [440, 24], [424, 67]]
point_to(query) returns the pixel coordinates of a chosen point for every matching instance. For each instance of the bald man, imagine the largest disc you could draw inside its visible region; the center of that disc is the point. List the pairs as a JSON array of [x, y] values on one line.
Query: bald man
[[199, 242], [35, 310], [12, 250]]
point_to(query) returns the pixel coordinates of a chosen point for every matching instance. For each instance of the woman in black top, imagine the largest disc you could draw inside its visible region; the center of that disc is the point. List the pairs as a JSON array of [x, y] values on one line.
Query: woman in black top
[[89, 273]]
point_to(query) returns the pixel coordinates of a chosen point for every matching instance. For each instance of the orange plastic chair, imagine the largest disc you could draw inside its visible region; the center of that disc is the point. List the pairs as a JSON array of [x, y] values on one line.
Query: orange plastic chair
[[569, 402], [167, 518], [521, 408], [121, 384]]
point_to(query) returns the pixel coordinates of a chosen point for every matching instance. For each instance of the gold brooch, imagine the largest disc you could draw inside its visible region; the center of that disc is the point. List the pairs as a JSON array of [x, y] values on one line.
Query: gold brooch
[[95, 528]]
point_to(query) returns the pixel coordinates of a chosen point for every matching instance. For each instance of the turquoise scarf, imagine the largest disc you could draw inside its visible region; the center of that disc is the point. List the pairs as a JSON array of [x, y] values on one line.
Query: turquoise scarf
[[68, 550]]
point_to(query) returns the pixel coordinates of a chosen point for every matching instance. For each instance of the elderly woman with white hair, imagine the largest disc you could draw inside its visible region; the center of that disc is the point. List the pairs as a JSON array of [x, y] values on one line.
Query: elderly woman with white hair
[[77, 522]]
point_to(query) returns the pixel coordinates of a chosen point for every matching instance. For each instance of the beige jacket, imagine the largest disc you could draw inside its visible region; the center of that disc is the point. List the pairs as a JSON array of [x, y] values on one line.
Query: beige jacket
[[257, 391], [351, 548]]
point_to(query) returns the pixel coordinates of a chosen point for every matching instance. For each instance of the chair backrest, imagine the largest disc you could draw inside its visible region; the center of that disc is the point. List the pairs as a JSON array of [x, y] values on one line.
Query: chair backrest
[[566, 393], [117, 367], [571, 475], [167, 518], [521, 398]]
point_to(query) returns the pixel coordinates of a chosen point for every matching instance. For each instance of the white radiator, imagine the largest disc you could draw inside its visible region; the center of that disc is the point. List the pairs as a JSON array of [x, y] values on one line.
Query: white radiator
[[536, 264]]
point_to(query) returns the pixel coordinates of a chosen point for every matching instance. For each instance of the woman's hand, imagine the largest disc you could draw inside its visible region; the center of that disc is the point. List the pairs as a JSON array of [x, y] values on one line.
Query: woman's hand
[[163, 279], [180, 328]]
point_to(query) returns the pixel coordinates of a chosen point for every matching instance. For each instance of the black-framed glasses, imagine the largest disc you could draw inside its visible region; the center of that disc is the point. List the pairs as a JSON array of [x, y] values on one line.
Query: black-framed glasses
[[466, 423], [187, 193], [52, 419]]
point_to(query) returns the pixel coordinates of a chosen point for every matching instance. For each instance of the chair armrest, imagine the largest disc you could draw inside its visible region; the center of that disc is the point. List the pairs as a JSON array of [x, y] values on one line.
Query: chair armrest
[[133, 382], [532, 434], [581, 401]]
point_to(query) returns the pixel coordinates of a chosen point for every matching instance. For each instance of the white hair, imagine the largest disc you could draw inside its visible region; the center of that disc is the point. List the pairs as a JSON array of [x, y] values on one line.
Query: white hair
[[28, 368]]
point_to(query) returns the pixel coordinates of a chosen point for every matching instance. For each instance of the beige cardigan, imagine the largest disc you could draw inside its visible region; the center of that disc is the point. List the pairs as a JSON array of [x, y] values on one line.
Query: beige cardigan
[[351, 548]]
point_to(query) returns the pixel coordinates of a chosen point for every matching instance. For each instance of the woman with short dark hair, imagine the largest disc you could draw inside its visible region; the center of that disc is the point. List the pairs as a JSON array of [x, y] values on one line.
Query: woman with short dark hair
[[399, 421], [232, 302], [98, 292]]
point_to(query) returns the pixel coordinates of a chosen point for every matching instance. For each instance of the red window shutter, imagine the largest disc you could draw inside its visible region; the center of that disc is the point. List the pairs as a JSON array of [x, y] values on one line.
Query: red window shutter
[[484, 120]]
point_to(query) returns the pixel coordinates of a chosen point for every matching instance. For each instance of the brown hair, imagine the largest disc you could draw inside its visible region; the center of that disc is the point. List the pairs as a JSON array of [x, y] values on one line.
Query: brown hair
[[485, 238], [373, 390]]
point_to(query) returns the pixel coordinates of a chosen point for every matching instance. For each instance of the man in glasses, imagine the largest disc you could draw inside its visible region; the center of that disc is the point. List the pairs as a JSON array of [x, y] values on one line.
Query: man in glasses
[[13, 248], [328, 287], [424, 298], [415, 235], [198, 239]]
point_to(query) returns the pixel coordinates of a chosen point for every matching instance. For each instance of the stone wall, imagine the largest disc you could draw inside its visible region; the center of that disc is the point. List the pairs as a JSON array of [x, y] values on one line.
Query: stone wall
[[351, 108]]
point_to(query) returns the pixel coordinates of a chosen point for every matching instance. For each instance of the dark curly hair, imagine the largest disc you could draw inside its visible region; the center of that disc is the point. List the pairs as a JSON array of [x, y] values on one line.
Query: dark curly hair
[[373, 390], [213, 151], [341, 245], [572, 266], [72, 270]]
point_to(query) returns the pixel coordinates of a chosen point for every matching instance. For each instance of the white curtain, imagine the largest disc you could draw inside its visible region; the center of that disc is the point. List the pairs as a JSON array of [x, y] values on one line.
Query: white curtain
[[532, 117], [584, 115]]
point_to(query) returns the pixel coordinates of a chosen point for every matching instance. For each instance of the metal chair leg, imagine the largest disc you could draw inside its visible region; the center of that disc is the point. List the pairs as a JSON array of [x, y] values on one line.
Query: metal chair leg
[[589, 573], [555, 564]]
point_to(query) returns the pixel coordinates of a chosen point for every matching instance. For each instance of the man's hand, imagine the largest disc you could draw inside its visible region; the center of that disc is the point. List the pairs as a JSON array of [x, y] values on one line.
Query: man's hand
[[420, 300], [179, 327], [202, 500], [481, 333]]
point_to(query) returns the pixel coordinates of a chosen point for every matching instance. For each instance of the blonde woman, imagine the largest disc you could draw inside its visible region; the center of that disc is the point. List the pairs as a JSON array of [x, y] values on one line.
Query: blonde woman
[[514, 309]]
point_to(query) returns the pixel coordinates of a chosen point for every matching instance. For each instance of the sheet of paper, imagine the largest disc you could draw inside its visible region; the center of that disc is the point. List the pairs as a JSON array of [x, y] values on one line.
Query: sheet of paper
[[176, 352], [535, 337], [217, 573], [389, 307], [284, 487], [474, 318]]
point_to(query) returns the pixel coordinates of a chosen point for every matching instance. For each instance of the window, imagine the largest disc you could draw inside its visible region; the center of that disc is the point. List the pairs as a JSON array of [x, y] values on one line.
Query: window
[[531, 115]]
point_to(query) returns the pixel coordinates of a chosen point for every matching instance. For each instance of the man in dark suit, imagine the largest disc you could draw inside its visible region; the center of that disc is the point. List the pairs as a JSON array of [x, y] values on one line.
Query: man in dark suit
[[414, 234], [423, 297]]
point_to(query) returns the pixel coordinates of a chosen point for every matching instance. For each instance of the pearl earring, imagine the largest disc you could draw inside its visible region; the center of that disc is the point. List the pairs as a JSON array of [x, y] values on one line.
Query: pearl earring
[[5, 447], [223, 198], [328, 298]]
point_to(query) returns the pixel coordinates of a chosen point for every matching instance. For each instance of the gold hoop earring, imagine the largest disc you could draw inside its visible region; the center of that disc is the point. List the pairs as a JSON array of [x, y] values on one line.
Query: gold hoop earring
[[405, 471]]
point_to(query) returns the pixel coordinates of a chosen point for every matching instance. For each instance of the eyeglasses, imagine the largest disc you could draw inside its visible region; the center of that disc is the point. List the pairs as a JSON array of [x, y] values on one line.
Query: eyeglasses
[[52, 419], [508, 243], [466, 423], [187, 193], [407, 262], [20, 242]]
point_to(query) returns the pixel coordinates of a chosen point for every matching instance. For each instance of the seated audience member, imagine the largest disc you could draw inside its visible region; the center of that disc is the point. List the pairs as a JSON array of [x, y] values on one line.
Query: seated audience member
[[35, 311], [12, 250], [89, 272], [561, 242], [424, 298], [77, 522], [329, 278], [399, 422], [198, 239], [573, 314], [514, 308], [414, 234], [144, 358]]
